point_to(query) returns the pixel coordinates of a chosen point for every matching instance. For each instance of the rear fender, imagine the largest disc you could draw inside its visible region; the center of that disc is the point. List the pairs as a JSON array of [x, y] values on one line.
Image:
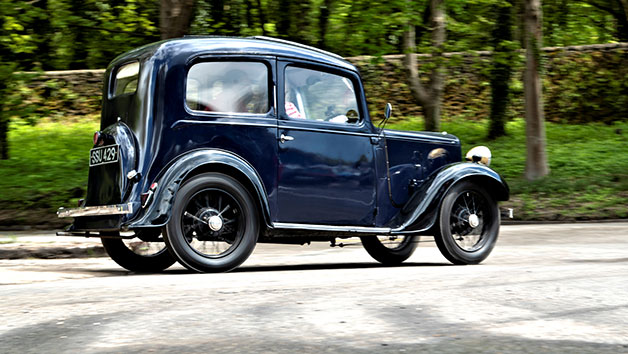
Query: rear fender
[[419, 214], [157, 212]]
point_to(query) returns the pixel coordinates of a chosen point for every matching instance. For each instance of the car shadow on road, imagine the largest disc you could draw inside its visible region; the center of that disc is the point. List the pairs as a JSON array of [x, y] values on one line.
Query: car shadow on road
[[248, 269], [328, 266]]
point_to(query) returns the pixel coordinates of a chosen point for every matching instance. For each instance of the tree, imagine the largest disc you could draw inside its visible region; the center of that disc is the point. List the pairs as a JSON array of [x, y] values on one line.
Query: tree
[[323, 20], [175, 17], [536, 161], [619, 10], [429, 97], [501, 71], [16, 45]]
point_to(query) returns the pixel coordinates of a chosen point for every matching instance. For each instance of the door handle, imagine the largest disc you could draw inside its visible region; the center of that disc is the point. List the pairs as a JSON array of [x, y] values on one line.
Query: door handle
[[283, 138]]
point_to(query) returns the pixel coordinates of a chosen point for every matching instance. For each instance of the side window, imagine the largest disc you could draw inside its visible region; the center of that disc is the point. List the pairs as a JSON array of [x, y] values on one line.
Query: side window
[[126, 79], [316, 95], [230, 87]]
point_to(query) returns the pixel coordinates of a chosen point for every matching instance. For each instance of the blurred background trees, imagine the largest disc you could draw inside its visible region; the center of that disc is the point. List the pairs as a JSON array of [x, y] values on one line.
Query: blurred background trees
[[81, 34]]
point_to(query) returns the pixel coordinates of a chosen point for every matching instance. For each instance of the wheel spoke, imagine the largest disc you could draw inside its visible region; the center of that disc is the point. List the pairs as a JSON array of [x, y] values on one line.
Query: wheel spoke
[[466, 237], [207, 203], [225, 209], [194, 217], [201, 238]]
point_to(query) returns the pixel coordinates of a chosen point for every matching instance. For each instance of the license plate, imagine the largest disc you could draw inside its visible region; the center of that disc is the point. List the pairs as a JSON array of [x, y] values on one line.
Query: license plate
[[103, 155]]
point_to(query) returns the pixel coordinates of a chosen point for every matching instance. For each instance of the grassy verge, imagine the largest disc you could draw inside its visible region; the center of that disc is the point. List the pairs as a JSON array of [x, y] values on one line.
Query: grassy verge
[[589, 178], [589, 168], [47, 169]]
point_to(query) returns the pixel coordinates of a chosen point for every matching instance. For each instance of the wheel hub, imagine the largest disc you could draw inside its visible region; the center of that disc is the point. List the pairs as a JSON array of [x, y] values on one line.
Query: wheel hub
[[215, 223], [211, 218], [474, 221]]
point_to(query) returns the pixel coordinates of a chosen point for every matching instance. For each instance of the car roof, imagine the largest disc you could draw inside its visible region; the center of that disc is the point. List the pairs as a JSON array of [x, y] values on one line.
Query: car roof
[[257, 45]]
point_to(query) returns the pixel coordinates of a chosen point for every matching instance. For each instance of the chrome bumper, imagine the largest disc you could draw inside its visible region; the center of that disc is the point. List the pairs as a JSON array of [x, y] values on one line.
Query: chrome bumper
[[96, 210]]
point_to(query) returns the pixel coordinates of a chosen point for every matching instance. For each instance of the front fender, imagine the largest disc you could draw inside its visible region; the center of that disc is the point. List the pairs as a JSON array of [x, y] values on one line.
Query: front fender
[[157, 213], [419, 214]]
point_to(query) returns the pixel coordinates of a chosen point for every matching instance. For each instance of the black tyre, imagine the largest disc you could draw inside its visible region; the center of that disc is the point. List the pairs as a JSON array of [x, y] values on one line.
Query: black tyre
[[214, 224], [468, 224], [137, 255], [390, 250]]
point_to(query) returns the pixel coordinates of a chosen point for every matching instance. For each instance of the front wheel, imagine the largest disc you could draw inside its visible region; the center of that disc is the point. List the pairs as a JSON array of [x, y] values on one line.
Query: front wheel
[[468, 224], [390, 250], [137, 255], [214, 224]]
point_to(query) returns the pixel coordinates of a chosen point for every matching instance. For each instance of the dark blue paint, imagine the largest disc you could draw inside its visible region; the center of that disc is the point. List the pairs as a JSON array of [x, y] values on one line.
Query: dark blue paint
[[421, 211], [158, 212]]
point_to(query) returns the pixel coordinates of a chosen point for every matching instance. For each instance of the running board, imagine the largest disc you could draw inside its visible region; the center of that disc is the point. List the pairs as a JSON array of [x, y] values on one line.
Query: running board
[[333, 228]]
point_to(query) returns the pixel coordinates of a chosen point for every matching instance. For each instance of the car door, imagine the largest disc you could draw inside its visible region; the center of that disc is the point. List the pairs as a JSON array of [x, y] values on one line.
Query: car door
[[326, 170]]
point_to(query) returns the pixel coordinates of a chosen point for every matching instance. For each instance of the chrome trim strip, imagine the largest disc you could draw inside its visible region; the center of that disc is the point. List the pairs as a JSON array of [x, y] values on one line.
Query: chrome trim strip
[[356, 229], [118, 209], [183, 122], [286, 126]]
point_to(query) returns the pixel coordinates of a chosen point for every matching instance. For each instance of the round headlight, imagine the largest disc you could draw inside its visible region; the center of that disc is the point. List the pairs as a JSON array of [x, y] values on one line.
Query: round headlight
[[479, 154]]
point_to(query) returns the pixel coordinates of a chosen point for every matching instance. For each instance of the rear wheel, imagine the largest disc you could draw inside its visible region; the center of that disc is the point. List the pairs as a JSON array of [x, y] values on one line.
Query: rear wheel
[[214, 224], [468, 224], [138, 255], [390, 250]]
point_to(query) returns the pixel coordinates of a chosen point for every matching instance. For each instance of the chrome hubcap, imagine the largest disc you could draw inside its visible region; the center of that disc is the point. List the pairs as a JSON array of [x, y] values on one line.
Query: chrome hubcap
[[474, 221], [215, 223]]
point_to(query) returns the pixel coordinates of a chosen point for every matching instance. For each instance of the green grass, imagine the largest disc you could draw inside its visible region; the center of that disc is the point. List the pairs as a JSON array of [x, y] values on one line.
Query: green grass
[[589, 168], [47, 166], [588, 180]]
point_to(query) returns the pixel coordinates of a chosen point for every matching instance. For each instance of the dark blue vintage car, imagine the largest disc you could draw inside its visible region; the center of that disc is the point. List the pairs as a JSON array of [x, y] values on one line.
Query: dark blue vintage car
[[210, 145]]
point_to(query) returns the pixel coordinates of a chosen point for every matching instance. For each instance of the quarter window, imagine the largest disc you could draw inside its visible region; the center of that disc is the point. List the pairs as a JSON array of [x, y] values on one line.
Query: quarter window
[[230, 87], [316, 95], [126, 79]]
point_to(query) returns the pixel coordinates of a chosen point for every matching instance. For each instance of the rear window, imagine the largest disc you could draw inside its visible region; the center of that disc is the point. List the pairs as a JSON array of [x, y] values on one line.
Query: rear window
[[125, 81], [230, 87]]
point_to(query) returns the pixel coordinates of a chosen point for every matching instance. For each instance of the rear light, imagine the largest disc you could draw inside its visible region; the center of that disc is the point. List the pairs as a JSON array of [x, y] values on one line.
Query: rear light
[[96, 138], [146, 197]]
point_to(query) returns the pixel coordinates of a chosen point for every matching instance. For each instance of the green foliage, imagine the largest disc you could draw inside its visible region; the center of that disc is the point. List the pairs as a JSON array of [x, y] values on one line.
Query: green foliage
[[590, 87], [30, 98], [575, 23], [578, 87], [48, 166]]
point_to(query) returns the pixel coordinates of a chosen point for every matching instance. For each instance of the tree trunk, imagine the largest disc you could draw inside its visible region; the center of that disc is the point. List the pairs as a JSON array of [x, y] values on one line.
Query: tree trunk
[[501, 71], [429, 98], [536, 161], [81, 36], [622, 21], [262, 16], [283, 22], [175, 17], [4, 124], [4, 143], [323, 20], [432, 116]]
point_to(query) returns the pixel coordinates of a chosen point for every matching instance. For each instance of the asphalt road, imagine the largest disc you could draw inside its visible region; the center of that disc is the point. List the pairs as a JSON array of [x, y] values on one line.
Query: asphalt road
[[545, 288]]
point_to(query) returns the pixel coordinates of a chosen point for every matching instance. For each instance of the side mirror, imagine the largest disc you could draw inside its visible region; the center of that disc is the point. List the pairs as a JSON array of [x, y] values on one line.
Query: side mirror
[[382, 124]]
